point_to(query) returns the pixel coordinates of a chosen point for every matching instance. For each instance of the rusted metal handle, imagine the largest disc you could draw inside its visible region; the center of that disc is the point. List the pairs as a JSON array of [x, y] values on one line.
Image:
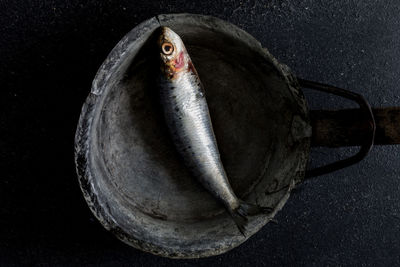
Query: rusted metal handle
[[369, 135], [347, 127]]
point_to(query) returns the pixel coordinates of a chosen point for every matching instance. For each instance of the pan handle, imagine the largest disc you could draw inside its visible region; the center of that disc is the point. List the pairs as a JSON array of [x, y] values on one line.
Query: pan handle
[[370, 135]]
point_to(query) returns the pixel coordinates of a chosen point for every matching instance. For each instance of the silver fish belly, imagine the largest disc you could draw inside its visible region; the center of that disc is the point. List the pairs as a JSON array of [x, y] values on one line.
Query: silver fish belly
[[188, 120]]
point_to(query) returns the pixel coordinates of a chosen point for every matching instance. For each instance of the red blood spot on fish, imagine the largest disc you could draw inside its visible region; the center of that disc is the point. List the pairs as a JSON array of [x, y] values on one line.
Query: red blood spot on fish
[[179, 62]]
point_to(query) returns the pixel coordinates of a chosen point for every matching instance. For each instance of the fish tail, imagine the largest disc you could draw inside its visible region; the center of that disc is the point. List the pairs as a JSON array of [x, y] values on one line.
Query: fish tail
[[240, 220], [239, 215]]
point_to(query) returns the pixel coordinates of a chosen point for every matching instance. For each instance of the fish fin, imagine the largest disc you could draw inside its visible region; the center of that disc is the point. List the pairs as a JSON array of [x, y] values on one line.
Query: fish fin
[[240, 214]]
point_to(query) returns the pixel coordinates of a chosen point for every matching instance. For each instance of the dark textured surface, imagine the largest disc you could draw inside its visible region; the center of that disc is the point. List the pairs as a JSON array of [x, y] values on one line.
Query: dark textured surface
[[49, 54]]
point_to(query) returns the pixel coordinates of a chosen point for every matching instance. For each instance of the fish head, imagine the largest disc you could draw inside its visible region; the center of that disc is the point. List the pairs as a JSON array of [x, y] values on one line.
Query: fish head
[[173, 54]]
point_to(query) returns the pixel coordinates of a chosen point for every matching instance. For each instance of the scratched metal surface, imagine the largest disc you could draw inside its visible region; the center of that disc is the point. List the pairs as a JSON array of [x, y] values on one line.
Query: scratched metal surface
[[49, 54]]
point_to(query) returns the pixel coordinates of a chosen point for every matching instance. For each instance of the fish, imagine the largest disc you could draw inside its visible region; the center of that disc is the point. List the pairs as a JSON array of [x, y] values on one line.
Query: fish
[[183, 101]]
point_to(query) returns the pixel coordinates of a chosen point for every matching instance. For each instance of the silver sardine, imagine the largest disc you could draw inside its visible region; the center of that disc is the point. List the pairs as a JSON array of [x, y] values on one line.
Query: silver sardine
[[188, 120]]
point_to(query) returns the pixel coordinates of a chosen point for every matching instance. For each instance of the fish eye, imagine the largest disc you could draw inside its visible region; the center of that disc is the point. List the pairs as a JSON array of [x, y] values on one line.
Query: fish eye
[[167, 48]]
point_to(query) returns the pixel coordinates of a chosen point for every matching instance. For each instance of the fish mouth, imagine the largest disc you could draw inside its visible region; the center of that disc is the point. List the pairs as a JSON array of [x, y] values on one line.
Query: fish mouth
[[169, 35], [164, 33], [166, 30]]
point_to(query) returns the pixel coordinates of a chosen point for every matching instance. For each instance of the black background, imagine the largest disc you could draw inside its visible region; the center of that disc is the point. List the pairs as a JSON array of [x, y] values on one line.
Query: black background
[[49, 54]]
